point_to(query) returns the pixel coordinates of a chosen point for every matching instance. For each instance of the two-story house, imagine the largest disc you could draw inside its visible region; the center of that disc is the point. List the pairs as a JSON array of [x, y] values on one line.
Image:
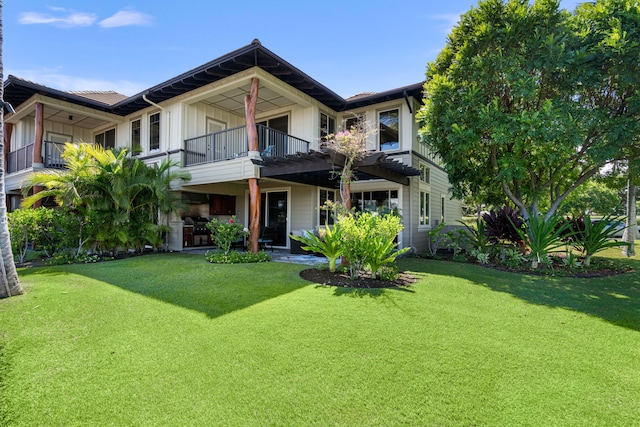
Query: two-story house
[[200, 118]]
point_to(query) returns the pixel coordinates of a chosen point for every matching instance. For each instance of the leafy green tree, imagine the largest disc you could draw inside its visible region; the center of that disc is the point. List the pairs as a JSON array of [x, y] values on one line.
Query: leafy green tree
[[591, 197], [521, 99]]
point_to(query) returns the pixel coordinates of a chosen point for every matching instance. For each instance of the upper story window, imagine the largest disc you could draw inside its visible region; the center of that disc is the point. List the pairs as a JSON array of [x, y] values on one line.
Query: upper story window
[[356, 122], [136, 143], [424, 173], [154, 131], [327, 126], [106, 139], [389, 129]]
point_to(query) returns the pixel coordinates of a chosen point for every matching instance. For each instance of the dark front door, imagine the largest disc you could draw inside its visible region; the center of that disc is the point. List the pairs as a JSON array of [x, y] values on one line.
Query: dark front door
[[274, 216]]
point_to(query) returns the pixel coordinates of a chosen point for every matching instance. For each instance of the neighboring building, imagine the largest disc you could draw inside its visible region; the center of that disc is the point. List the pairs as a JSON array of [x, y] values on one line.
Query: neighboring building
[[198, 119]]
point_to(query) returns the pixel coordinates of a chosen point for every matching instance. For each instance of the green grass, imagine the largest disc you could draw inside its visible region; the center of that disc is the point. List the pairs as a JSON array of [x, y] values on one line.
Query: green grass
[[173, 340]]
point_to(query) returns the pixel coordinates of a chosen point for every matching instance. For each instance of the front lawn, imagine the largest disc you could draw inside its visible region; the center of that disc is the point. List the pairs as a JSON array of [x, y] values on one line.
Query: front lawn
[[171, 339]]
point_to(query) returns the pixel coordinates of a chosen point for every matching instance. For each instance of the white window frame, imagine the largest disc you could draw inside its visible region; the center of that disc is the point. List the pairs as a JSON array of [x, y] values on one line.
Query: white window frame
[[135, 152], [387, 110], [149, 135], [426, 177], [421, 223]]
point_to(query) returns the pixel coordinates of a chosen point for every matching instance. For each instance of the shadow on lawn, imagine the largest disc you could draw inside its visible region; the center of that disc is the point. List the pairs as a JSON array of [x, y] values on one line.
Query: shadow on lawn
[[189, 281], [615, 299]]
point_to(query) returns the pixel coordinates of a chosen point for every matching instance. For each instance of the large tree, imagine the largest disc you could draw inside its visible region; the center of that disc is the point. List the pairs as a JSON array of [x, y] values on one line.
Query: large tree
[[519, 99], [9, 282]]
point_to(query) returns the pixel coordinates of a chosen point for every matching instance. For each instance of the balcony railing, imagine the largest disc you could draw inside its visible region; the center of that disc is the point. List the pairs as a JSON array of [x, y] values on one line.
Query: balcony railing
[[22, 158], [232, 143]]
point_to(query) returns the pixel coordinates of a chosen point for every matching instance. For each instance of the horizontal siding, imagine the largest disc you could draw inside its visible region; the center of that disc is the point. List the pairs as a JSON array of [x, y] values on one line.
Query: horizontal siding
[[229, 170]]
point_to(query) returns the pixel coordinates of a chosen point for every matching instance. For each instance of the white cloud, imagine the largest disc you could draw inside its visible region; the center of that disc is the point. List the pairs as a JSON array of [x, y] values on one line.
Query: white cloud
[[447, 20], [56, 78], [63, 19], [126, 18]]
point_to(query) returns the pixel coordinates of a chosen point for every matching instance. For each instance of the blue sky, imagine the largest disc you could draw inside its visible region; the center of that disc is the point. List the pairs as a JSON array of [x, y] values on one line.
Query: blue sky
[[128, 46]]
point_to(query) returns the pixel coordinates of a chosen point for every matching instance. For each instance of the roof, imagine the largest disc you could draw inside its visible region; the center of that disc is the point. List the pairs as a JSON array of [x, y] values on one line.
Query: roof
[[108, 97], [253, 55]]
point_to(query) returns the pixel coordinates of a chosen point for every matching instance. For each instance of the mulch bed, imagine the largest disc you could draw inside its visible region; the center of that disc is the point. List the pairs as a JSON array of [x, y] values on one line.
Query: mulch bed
[[327, 278]]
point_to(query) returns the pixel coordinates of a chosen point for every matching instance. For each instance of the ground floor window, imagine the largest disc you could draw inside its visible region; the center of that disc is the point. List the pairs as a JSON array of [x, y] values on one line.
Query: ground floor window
[[375, 201], [424, 208], [106, 139], [326, 216]]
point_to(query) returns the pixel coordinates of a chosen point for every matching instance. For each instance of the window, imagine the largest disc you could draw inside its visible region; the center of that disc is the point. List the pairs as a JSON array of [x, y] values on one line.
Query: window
[[106, 139], [388, 131], [424, 173], [375, 201], [357, 121], [326, 215], [424, 208], [442, 200], [154, 131], [136, 146], [327, 126]]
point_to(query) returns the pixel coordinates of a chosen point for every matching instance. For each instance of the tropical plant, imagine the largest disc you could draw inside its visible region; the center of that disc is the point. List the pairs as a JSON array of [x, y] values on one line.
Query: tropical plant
[[597, 236], [542, 237], [369, 241], [329, 243], [436, 239], [22, 223], [503, 225], [121, 195], [224, 233], [477, 235]]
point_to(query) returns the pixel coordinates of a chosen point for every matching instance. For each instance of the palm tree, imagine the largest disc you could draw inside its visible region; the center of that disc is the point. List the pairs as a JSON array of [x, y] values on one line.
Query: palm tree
[[9, 276]]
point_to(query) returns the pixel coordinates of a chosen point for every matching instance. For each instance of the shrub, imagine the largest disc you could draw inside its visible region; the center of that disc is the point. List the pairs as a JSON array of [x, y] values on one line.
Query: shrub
[[597, 236], [369, 241], [477, 236], [436, 238], [235, 257], [503, 225], [328, 244], [543, 237], [224, 233]]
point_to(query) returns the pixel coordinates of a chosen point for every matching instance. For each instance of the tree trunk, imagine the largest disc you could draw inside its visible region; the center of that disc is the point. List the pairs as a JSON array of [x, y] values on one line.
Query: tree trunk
[[252, 145], [630, 233], [10, 284]]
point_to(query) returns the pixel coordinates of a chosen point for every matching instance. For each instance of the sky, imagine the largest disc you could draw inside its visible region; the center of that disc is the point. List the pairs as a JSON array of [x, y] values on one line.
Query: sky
[[350, 46]]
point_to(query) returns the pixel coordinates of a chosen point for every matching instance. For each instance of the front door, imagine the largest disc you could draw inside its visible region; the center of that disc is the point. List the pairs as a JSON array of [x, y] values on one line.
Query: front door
[[274, 210]]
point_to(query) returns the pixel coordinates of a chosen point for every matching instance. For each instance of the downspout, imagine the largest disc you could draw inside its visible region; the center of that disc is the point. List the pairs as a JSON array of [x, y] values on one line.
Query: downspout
[[168, 114]]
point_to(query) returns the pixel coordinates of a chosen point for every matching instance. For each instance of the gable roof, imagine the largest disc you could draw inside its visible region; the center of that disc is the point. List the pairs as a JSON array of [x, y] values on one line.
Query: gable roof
[[253, 55]]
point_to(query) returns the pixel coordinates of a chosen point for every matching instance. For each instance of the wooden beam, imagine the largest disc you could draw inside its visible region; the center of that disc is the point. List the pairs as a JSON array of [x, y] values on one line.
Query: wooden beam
[[254, 187], [39, 133]]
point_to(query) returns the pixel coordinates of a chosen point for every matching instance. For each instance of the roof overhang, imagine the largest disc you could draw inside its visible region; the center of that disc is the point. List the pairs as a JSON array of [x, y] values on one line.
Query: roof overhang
[[322, 168]]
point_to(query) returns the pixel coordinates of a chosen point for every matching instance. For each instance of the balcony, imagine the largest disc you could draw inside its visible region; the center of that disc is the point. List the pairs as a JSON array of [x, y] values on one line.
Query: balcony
[[232, 143], [22, 158]]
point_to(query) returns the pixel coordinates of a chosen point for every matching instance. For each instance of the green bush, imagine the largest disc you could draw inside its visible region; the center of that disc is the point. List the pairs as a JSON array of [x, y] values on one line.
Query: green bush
[[329, 243], [235, 257], [369, 241], [597, 236], [224, 233]]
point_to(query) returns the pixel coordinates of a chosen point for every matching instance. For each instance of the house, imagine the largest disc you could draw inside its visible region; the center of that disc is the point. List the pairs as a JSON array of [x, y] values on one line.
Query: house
[[200, 119]]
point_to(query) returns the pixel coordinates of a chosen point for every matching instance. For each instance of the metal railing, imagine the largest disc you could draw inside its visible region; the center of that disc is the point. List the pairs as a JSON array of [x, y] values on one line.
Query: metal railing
[[232, 143], [22, 158], [53, 155]]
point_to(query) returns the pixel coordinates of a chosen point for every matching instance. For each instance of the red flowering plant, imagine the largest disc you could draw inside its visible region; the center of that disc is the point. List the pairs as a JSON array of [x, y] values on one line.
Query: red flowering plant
[[225, 232]]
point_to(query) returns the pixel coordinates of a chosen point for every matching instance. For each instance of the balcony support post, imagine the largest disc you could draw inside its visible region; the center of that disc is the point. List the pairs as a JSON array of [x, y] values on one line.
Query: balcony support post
[[250, 101], [38, 161]]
